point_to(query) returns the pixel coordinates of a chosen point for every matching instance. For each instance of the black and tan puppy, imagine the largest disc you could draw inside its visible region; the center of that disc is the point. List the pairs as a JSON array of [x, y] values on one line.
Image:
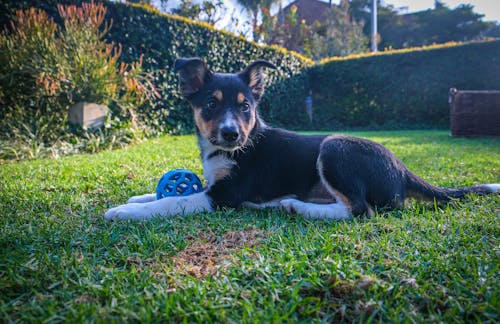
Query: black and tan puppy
[[248, 163]]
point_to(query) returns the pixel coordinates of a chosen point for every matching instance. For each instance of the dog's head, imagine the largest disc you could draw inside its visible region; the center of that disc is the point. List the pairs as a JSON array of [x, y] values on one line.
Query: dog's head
[[224, 104]]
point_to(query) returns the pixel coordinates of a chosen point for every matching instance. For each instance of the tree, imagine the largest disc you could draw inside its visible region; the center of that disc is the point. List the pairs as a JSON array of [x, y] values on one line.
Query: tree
[[340, 35], [460, 24], [207, 11], [254, 10], [286, 31], [438, 25]]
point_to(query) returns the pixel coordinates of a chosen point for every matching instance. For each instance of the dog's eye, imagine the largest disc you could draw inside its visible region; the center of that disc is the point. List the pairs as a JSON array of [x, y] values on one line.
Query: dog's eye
[[211, 104], [245, 106]]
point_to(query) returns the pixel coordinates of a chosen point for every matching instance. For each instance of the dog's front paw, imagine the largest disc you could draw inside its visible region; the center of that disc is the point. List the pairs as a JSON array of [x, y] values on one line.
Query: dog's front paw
[[135, 211]]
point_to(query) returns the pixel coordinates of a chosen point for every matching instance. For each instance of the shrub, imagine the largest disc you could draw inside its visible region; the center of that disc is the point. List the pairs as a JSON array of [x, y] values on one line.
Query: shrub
[[29, 65], [403, 89], [45, 68]]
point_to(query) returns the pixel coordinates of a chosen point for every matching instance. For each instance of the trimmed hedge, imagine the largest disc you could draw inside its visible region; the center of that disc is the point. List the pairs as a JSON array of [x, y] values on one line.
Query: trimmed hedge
[[161, 38], [403, 89], [399, 89]]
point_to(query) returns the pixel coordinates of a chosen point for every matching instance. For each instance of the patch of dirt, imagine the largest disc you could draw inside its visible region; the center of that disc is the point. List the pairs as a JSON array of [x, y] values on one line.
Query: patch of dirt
[[210, 254]]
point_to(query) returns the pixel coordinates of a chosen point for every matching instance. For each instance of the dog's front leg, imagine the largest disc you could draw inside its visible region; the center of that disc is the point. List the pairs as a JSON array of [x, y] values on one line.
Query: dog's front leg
[[336, 211], [169, 206]]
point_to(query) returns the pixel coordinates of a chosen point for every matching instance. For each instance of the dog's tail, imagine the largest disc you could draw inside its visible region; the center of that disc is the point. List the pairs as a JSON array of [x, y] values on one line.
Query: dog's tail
[[417, 187]]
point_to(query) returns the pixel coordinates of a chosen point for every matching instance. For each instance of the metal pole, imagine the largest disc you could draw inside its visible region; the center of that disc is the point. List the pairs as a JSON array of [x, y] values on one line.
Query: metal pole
[[374, 26]]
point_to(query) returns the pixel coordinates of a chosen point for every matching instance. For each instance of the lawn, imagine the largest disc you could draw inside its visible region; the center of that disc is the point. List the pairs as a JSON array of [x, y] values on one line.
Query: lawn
[[60, 261]]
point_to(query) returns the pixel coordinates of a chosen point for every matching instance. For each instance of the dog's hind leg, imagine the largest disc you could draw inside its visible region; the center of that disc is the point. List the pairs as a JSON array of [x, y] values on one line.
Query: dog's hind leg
[[142, 198], [361, 172], [336, 211], [354, 198]]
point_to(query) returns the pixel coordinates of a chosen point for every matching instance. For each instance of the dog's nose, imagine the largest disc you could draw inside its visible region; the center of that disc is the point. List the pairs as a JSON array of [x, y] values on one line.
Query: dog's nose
[[229, 134]]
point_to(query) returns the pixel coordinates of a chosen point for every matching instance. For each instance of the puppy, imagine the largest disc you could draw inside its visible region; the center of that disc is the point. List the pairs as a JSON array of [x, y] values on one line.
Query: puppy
[[249, 163]]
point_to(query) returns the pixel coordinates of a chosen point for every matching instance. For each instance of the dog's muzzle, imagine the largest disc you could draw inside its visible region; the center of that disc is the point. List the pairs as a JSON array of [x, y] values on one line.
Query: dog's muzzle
[[229, 138]]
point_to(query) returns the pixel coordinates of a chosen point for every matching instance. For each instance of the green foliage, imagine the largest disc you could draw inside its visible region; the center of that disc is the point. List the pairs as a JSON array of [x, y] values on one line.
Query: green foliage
[[45, 68], [208, 11], [40, 136], [438, 25], [289, 31], [161, 38], [347, 29], [29, 62], [435, 26], [342, 35], [402, 89], [406, 89], [254, 8], [60, 261], [339, 35]]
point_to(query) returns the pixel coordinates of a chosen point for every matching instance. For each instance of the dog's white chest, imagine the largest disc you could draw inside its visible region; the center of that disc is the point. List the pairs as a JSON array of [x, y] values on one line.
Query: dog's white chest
[[216, 168]]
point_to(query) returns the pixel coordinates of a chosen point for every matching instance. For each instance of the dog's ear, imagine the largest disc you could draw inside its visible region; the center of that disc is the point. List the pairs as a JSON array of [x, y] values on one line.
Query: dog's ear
[[193, 73], [253, 76]]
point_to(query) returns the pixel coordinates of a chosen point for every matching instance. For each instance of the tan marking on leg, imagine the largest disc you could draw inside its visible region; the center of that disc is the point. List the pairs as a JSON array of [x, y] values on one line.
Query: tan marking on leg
[[240, 98], [339, 196], [319, 195], [335, 193], [218, 95]]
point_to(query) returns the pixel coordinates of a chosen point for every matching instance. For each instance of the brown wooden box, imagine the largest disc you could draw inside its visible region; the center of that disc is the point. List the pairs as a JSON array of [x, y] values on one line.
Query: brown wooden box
[[474, 113]]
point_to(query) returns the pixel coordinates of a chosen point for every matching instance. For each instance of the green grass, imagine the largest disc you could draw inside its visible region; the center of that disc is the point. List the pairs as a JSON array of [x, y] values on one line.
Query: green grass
[[60, 261]]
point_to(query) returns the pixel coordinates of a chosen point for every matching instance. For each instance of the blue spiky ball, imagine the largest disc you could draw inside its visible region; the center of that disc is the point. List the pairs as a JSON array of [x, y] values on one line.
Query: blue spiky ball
[[178, 182]]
